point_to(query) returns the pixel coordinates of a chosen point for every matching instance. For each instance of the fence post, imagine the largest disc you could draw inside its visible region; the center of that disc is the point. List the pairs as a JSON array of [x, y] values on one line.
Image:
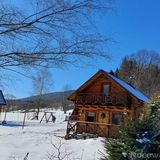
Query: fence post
[[24, 119]]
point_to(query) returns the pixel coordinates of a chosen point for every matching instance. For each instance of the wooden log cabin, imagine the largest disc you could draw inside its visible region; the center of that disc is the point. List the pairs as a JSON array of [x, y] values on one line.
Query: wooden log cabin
[[102, 104]]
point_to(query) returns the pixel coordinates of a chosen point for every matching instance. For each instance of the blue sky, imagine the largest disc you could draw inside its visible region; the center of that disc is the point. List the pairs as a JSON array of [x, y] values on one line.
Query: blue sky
[[132, 24]]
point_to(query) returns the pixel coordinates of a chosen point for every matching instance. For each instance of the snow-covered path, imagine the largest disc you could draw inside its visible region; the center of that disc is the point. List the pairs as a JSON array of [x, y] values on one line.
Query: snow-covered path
[[37, 139]]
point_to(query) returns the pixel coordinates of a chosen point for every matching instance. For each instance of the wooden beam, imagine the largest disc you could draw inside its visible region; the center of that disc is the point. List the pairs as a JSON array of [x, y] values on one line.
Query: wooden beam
[[118, 109]]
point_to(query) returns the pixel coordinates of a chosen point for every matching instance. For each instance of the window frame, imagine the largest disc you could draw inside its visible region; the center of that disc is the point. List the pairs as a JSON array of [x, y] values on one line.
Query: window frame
[[102, 88], [118, 122], [94, 117]]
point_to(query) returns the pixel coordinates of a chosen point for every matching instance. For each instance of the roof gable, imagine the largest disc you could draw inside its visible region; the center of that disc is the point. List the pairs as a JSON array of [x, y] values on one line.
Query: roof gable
[[133, 91], [86, 84]]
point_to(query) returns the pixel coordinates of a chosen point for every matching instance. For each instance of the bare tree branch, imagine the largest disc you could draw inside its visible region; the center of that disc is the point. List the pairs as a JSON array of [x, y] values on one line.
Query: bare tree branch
[[60, 152], [58, 32]]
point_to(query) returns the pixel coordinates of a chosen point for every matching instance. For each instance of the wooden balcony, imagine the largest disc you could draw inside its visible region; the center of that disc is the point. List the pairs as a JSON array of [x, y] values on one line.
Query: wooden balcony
[[99, 99], [99, 129]]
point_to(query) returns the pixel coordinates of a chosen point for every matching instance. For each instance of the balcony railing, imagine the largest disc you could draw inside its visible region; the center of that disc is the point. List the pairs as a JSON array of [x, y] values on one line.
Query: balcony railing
[[100, 99], [100, 129]]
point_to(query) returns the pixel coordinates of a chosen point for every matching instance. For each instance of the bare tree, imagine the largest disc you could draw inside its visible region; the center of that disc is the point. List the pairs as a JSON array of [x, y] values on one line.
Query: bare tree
[[60, 152], [42, 83], [65, 102], [142, 70], [49, 32]]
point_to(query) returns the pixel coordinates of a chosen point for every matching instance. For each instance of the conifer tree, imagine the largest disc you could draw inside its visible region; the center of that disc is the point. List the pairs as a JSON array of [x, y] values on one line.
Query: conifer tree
[[139, 139]]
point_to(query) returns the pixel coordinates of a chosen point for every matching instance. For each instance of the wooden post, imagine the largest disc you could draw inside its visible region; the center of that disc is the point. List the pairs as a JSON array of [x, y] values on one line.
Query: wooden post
[[5, 115], [42, 117], [108, 131], [4, 120], [24, 119], [50, 116]]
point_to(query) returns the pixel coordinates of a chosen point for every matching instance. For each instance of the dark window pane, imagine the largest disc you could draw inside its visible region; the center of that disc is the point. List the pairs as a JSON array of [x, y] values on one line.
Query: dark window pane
[[91, 117], [116, 118], [106, 89]]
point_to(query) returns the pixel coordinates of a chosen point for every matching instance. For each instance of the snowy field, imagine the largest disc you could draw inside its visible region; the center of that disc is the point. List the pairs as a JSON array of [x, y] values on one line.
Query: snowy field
[[41, 140]]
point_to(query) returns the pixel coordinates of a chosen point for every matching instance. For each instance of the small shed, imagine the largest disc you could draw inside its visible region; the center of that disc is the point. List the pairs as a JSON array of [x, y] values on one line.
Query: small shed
[[3, 103], [102, 104]]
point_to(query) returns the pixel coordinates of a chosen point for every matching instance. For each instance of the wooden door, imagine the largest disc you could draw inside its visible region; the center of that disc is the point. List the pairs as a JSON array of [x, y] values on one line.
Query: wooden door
[[103, 119]]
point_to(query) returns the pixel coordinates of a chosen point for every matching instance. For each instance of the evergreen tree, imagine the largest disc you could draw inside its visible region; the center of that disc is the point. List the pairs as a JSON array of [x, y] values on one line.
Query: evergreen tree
[[127, 69], [116, 73], [139, 139], [111, 72]]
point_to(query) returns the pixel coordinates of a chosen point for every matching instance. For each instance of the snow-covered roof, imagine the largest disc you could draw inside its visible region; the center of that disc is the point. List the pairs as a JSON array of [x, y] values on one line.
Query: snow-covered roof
[[2, 100], [135, 92]]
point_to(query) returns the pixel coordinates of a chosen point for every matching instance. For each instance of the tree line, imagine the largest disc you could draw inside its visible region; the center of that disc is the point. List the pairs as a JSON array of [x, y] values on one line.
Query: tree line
[[142, 70]]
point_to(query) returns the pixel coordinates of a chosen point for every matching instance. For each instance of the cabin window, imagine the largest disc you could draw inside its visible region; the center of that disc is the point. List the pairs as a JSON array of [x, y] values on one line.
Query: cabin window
[[117, 118], [91, 117], [105, 89]]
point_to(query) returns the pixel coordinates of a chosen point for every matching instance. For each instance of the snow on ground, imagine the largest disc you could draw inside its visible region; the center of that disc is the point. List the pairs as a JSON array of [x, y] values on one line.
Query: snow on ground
[[37, 139]]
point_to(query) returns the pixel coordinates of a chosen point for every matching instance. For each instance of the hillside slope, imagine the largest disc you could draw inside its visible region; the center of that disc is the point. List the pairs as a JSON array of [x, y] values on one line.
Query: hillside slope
[[54, 100]]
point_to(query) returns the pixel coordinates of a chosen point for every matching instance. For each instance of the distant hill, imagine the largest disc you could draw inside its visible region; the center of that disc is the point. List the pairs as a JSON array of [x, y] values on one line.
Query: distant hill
[[53, 99]]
